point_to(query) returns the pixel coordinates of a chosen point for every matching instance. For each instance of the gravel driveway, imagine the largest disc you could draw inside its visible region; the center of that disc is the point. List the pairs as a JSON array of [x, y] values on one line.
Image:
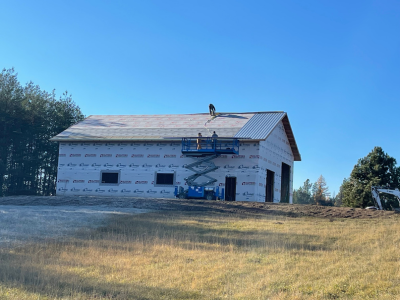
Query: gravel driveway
[[25, 222]]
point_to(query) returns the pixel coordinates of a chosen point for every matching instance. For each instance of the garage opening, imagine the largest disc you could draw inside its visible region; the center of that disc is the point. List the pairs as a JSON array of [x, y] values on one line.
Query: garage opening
[[285, 183], [269, 186], [230, 188]]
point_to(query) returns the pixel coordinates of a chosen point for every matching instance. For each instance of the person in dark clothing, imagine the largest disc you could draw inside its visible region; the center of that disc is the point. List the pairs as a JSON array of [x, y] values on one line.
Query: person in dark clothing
[[212, 109]]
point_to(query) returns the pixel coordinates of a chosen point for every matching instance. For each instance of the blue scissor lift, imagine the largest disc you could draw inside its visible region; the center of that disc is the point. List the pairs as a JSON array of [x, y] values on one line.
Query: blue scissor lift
[[204, 150]]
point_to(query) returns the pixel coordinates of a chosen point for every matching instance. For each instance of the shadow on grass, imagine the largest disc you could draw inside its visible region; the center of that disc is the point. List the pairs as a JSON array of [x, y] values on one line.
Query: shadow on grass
[[32, 269], [189, 230]]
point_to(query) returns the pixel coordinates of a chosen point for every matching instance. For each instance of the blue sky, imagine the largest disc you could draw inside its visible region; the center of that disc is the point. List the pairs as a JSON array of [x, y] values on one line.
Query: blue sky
[[333, 66]]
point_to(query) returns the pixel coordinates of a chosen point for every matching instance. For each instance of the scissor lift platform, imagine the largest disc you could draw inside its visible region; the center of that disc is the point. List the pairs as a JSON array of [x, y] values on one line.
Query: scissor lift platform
[[206, 146], [203, 150]]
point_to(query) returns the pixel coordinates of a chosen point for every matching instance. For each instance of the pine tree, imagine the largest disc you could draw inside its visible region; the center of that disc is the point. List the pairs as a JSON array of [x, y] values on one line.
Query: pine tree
[[321, 191], [376, 169], [29, 117], [339, 196], [303, 194]]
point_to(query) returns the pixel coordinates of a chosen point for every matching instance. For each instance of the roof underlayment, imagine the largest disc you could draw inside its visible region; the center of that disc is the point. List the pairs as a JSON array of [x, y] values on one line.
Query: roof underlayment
[[253, 126]]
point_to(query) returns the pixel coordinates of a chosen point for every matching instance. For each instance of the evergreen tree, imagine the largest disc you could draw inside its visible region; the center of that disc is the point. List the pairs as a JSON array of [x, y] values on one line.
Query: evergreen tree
[[321, 191], [303, 194], [376, 169], [29, 117], [339, 197]]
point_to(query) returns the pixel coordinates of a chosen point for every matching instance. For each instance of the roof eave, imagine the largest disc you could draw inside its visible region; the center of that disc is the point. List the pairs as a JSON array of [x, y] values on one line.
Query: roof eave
[[135, 139], [291, 139]]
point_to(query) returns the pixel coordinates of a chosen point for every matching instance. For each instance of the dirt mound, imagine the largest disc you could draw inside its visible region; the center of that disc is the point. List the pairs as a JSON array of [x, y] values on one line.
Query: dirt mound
[[278, 209], [289, 210], [298, 210]]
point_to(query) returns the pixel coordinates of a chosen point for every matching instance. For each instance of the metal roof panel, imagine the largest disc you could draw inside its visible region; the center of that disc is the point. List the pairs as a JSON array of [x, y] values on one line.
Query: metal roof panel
[[260, 125]]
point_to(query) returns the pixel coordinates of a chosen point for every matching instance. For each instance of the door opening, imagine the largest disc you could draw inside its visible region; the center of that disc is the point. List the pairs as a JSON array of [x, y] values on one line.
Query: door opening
[[269, 186], [285, 183], [230, 188]]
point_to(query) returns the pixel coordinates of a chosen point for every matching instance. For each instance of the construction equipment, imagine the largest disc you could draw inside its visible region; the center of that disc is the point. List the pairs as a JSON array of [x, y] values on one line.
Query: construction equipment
[[207, 165], [204, 150], [205, 146], [199, 192], [375, 190]]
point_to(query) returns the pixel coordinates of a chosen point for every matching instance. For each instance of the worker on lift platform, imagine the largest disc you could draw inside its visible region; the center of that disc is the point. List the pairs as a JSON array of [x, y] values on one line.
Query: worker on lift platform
[[214, 139], [199, 136]]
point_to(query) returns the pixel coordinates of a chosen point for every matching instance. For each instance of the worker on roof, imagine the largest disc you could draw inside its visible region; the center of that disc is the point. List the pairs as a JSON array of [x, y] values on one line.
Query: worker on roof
[[212, 109]]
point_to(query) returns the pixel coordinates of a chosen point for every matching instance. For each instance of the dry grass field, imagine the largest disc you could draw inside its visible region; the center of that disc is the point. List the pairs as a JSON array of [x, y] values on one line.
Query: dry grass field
[[206, 255]]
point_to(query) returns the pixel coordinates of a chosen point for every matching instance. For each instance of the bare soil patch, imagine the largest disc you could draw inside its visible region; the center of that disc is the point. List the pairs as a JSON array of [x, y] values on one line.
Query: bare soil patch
[[253, 208]]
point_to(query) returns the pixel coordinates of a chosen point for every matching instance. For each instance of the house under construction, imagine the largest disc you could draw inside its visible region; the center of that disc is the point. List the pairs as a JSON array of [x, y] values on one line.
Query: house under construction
[[154, 155]]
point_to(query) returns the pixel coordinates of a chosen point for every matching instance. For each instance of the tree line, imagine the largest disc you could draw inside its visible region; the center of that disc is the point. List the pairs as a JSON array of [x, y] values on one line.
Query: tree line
[[29, 117], [375, 169], [313, 193]]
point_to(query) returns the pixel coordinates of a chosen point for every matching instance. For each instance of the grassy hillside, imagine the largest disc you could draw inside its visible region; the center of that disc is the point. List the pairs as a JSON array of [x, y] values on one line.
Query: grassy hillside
[[203, 255]]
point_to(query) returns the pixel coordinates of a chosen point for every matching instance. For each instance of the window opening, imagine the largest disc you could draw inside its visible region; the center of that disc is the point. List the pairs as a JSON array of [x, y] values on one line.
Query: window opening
[[165, 178], [110, 177]]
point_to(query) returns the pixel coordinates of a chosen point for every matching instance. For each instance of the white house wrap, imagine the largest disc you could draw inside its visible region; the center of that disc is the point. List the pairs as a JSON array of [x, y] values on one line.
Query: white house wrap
[[122, 155]]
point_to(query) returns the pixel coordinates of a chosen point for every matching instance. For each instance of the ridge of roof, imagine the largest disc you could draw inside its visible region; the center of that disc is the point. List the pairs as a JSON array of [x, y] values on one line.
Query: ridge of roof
[[217, 113]]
